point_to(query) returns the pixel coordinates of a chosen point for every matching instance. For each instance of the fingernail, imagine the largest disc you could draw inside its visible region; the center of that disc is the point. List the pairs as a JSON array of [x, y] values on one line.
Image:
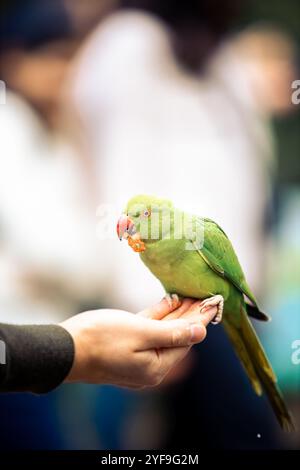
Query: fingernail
[[196, 333]]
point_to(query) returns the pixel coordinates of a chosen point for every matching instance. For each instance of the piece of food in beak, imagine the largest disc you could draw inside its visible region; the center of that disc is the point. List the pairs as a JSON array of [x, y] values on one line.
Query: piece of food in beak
[[127, 230], [136, 243]]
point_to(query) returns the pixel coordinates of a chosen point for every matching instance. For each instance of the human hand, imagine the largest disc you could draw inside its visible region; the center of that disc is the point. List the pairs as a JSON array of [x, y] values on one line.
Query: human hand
[[187, 308], [120, 348]]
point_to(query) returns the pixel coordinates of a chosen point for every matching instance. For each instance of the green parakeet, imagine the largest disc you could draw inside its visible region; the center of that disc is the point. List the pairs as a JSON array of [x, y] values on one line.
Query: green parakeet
[[193, 257]]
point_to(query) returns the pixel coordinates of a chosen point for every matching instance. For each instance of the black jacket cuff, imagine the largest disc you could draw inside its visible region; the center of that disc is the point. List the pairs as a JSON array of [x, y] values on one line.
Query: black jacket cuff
[[37, 358]]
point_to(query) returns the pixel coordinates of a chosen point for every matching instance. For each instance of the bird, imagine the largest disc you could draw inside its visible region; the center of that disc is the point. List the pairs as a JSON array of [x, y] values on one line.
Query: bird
[[193, 257]]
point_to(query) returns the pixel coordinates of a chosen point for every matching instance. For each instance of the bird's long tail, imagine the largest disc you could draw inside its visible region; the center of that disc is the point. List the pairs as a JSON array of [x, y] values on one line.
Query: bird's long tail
[[257, 366]]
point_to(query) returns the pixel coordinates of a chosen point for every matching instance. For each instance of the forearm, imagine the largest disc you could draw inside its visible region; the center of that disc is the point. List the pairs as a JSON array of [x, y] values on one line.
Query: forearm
[[34, 358]]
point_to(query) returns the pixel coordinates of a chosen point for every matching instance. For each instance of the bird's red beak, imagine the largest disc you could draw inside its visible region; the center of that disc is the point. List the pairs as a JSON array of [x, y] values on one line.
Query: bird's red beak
[[125, 227]]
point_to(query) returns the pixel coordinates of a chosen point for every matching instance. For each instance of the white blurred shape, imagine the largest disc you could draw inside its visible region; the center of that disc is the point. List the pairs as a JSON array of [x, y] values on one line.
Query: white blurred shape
[[46, 231], [153, 128]]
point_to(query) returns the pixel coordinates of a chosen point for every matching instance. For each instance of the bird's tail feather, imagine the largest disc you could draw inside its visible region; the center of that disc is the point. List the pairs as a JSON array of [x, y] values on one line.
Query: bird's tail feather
[[254, 312], [257, 366]]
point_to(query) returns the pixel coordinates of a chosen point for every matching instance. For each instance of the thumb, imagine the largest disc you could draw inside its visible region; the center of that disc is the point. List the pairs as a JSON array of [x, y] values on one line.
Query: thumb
[[172, 333], [161, 309]]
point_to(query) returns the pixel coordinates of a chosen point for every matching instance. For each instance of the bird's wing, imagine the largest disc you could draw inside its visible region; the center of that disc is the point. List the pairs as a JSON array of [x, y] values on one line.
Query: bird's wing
[[217, 251]]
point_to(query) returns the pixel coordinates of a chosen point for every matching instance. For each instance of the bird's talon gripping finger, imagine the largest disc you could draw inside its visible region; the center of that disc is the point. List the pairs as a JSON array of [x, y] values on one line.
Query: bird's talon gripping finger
[[204, 309], [216, 300], [217, 319], [173, 300]]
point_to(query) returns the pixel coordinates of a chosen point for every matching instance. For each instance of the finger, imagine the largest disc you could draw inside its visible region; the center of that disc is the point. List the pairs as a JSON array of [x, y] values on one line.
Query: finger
[[194, 314], [209, 315], [160, 310], [170, 334], [180, 311]]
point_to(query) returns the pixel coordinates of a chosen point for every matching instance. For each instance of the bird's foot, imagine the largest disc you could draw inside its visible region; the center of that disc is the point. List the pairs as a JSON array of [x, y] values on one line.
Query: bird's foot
[[173, 300], [216, 300]]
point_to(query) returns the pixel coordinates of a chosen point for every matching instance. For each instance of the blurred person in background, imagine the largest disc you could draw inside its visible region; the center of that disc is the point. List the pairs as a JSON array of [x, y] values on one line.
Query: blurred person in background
[[139, 84], [48, 266], [167, 112], [160, 119], [47, 231]]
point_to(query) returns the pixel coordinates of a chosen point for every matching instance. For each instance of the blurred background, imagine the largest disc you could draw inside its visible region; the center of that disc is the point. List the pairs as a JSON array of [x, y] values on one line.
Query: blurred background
[[192, 101]]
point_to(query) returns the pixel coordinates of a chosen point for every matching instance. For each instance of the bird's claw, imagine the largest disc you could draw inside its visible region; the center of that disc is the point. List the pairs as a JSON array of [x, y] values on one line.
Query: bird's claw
[[173, 300], [216, 300]]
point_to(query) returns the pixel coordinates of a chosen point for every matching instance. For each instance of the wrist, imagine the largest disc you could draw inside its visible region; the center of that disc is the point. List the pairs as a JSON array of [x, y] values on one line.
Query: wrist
[[75, 373]]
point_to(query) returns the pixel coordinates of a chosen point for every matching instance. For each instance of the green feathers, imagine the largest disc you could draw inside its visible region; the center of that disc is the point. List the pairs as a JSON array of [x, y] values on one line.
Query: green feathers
[[193, 257]]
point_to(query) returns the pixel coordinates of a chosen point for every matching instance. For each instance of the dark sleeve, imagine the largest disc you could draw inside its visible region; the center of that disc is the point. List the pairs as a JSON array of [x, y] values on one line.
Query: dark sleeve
[[34, 358]]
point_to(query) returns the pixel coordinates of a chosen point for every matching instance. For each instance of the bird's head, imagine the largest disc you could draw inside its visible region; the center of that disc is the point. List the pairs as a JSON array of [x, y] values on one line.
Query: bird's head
[[146, 219]]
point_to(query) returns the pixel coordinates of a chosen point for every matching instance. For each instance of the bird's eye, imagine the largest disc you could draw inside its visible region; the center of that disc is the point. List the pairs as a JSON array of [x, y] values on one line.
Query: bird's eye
[[146, 213]]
